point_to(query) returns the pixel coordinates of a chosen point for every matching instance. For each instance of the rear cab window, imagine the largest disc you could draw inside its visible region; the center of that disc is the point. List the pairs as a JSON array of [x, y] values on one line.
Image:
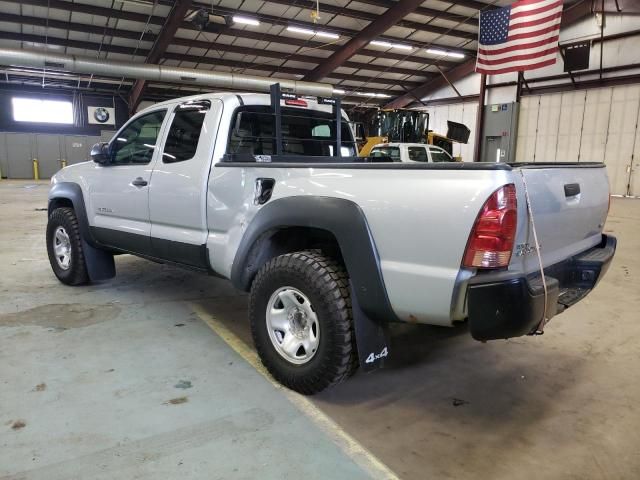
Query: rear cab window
[[418, 154], [184, 133], [304, 132], [439, 155]]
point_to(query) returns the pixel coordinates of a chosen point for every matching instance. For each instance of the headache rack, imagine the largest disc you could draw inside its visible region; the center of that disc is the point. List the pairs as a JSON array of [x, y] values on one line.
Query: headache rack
[[276, 140]]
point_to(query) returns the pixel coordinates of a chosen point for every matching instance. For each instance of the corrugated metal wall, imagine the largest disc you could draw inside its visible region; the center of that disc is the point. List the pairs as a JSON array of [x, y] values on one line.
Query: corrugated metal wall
[[599, 125], [461, 113]]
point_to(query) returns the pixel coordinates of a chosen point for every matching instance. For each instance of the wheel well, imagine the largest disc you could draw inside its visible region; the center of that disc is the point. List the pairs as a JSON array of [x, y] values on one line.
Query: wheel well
[[59, 203], [284, 240]]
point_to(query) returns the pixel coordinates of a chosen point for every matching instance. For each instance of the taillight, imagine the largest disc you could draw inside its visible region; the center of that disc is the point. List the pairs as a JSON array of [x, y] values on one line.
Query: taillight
[[491, 240]]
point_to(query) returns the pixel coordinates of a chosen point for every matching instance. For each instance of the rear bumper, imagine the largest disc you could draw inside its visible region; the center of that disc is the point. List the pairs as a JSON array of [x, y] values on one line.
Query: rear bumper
[[515, 307]]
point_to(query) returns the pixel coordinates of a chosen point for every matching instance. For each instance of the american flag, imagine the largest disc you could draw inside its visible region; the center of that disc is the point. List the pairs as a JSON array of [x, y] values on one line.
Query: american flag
[[522, 36]]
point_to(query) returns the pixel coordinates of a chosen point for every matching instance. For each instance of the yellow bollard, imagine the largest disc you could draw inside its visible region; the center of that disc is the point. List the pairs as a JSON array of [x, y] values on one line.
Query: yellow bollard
[[63, 162], [36, 170]]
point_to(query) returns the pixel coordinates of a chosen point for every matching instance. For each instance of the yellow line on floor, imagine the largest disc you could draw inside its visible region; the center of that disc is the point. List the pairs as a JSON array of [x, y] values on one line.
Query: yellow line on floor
[[350, 446]]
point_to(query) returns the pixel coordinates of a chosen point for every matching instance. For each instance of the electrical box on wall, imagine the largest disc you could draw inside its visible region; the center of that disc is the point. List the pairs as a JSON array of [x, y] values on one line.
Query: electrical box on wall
[[500, 132]]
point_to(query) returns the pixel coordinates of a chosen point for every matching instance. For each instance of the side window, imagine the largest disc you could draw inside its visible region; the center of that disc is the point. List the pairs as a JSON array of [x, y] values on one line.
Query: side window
[[137, 141], [184, 133], [418, 154], [438, 155]]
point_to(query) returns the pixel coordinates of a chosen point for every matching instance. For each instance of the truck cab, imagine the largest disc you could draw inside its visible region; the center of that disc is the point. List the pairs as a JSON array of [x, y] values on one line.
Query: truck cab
[[412, 152]]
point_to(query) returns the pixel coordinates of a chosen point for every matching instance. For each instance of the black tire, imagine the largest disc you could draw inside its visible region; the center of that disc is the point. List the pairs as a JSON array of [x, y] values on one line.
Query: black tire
[[326, 284], [76, 273]]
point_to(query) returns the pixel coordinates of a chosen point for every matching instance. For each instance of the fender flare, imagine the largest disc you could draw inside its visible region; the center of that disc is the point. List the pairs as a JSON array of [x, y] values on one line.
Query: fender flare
[[100, 264], [72, 192], [342, 218]]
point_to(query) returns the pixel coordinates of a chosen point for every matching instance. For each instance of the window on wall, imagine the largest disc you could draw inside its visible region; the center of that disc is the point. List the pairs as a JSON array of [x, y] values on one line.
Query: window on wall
[[42, 111]]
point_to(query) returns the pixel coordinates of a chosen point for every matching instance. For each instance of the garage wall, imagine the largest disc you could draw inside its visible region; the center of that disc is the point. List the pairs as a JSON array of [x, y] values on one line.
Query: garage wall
[[462, 113], [17, 151], [599, 125]]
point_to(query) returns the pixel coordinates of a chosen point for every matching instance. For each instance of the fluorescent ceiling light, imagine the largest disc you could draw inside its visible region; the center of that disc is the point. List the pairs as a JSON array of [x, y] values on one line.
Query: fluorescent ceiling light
[[339, 91], [381, 43], [327, 34], [371, 94], [308, 31], [245, 20], [435, 51]]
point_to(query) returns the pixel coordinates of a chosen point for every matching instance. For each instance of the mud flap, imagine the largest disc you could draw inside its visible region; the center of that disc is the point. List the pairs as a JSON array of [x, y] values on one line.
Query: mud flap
[[100, 264], [372, 338]]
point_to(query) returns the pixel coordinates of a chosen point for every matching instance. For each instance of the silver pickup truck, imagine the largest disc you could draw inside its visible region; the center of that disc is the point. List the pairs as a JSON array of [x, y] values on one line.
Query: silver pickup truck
[[267, 191]]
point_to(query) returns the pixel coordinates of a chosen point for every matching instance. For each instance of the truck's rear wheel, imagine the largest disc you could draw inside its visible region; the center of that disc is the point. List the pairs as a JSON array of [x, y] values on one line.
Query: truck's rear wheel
[[301, 322], [64, 246]]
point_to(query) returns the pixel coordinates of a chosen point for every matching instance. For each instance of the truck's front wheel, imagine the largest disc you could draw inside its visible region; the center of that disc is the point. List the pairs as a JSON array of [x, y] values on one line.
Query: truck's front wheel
[[301, 322], [64, 246]]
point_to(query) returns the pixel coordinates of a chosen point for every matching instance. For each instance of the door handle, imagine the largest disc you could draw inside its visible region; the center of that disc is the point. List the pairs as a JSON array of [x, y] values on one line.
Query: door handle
[[139, 182]]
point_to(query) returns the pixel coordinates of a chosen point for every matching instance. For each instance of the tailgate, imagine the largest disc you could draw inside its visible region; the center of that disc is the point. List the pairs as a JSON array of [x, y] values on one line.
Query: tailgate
[[570, 203]]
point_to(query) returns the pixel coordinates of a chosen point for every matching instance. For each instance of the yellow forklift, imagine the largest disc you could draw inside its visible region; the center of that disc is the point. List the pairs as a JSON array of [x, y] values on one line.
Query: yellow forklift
[[404, 126]]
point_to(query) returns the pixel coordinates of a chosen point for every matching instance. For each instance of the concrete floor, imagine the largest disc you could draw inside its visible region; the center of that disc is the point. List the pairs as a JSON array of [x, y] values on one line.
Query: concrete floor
[[90, 381]]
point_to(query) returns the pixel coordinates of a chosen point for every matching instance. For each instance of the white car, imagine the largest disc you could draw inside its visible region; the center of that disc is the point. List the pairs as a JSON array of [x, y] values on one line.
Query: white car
[[412, 152], [268, 193]]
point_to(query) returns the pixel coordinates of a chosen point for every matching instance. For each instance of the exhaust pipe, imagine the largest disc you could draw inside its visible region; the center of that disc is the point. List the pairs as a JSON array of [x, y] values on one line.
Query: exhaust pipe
[[157, 73]]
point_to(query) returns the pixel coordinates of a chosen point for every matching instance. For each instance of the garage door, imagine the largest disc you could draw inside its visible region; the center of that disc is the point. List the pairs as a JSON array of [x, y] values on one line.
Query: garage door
[[48, 154], [19, 159], [598, 125]]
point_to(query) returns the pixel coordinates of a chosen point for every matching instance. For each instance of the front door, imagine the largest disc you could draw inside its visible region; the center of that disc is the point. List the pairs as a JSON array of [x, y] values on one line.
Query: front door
[[119, 191], [177, 198]]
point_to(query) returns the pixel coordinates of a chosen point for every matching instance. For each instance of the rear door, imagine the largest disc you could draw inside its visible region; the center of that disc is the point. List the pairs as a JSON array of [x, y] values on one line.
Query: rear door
[[569, 203], [177, 197], [119, 191]]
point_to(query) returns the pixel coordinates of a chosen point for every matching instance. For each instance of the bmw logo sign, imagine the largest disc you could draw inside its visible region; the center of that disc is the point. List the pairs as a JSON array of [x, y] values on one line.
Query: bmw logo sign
[[101, 114]]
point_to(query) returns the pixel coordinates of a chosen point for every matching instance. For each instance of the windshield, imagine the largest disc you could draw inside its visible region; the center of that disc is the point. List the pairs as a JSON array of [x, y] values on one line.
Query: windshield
[[393, 152], [304, 132]]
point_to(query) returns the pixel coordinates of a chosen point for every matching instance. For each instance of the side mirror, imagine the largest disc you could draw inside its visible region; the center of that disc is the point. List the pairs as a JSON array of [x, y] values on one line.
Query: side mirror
[[101, 153]]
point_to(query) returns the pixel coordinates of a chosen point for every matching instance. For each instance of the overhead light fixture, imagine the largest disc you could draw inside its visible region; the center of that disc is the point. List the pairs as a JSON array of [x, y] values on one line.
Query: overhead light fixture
[[379, 43], [199, 18], [435, 51], [339, 91], [382, 43], [245, 20], [372, 94], [308, 31]]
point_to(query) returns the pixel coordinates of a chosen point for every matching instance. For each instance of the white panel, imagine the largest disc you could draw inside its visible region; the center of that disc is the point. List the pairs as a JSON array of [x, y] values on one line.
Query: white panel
[[527, 128], [570, 128], [469, 119], [595, 125], [621, 135], [547, 135]]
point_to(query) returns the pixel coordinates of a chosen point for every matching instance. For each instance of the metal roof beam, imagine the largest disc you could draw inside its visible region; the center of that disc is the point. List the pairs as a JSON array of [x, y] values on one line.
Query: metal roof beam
[[120, 33], [163, 40], [216, 28], [427, 12], [371, 17], [369, 33]]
